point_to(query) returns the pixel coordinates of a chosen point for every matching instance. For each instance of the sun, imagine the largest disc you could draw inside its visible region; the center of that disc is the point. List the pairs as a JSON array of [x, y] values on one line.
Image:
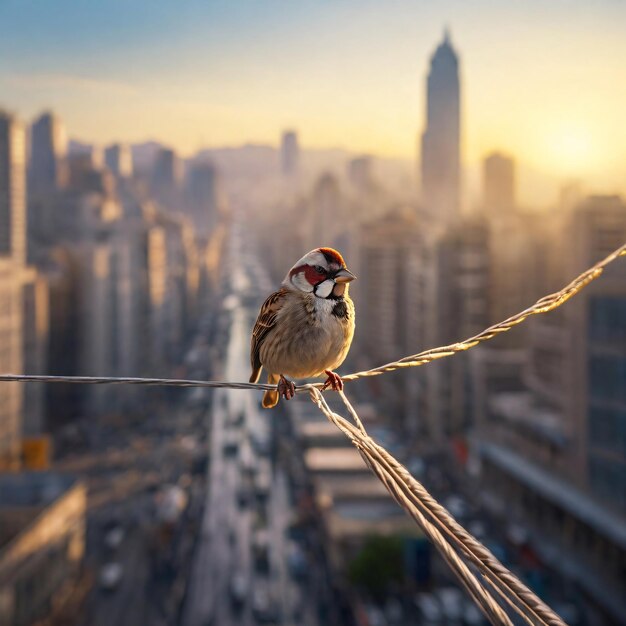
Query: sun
[[571, 149]]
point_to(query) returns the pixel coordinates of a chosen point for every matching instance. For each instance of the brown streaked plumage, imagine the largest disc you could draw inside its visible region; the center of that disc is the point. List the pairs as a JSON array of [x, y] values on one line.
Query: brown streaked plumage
[[305, 328]]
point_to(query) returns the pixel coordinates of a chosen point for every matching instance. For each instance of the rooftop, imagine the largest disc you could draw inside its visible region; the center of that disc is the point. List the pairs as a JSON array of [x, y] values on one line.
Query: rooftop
[[335, 460], [344, 524], [324, 433], [345, 489]]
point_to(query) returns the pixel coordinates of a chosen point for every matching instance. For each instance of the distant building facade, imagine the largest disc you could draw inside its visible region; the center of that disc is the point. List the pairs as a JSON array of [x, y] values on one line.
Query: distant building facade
[[499, 183], [119, 159], [35, 333], [12, 188], [360, 173], [166, 178], [203, 197], [48, 151], [289, 153]]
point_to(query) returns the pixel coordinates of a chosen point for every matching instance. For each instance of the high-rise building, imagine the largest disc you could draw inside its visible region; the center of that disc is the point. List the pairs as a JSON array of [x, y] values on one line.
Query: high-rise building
[[325, 214], [454, 279], [12, 254], [498, 183], [388, 265], [119, 159], [440, 155], [289, 153], [12, 188], [35, 316], [553, 450], [11, 398], [48, 152], [387, 248]]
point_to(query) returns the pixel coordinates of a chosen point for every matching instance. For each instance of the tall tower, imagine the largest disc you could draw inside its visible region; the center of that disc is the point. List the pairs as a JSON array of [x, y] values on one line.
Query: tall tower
[[441, 138], [12, 188], [48, 152]]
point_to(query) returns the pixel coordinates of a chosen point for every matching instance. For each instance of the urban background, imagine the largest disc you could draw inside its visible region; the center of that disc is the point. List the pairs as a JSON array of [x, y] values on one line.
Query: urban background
[[143, 222]]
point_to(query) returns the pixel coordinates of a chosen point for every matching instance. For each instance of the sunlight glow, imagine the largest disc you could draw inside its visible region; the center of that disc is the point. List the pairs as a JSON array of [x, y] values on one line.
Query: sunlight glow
[[572, 149]]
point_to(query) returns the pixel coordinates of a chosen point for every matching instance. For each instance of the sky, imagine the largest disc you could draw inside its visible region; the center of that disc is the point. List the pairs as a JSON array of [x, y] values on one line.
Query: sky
[[542, 80]]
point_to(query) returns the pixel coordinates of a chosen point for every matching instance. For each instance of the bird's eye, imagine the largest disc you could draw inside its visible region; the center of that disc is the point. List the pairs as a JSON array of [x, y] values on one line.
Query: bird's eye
[[319, 269]]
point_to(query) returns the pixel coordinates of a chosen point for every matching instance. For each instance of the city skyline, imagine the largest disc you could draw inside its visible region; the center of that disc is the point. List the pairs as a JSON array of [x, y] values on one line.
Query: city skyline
[[538, 82], [123, 259]]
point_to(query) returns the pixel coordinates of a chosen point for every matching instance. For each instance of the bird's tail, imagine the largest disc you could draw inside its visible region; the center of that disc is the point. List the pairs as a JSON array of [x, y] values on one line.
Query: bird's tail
[[270, 398]]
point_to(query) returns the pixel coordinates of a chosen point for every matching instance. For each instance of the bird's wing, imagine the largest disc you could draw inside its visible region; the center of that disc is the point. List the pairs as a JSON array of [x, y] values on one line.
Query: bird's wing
[[264, 323]]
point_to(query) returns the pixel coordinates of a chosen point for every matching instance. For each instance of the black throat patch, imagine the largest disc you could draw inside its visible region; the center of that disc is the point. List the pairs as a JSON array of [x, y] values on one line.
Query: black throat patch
[[340, 309]]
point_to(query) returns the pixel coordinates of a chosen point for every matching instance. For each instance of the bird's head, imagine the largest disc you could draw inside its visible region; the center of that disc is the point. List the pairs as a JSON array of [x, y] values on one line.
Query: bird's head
[[322, 272]]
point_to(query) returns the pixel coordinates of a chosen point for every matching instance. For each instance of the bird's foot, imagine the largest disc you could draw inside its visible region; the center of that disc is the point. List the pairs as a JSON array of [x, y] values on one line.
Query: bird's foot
[[333, 381], [286, 388]]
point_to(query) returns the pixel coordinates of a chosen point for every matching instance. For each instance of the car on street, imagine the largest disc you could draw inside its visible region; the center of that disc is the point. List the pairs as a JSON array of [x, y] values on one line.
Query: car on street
[[264, 606], [114, 537], [260, 551], [111, 575], [238, 589], [451, 600], [428, 608], [230, 446], [297, 561]]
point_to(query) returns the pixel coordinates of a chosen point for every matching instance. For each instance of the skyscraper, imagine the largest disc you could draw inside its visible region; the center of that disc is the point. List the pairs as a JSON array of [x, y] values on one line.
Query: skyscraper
[[441, 138], [48, 152], [12, 250], [12, 188], [289, 153], [498, 183]]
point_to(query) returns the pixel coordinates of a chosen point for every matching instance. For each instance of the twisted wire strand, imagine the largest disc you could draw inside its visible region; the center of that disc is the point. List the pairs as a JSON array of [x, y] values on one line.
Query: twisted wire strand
[[408, 492], [543, 305], [482, 558], [491, 609], [117, 380]]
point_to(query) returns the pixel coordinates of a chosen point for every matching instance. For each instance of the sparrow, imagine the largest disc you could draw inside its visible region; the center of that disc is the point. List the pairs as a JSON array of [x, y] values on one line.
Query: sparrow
[[304, 329]]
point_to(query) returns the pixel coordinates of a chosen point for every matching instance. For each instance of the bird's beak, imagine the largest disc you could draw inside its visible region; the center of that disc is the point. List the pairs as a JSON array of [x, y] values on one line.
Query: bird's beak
[[344, 276]]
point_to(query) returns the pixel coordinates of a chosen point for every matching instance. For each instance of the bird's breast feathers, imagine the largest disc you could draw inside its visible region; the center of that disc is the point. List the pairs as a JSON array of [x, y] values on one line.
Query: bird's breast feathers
[[311, 334]]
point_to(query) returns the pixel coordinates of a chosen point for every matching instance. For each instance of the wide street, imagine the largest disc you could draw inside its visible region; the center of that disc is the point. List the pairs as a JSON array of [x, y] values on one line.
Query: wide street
[[240, 572]]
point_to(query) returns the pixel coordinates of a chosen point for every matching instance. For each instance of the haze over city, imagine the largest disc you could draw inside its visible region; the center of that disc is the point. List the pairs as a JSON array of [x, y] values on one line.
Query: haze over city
[[222, 192], [539, 79]]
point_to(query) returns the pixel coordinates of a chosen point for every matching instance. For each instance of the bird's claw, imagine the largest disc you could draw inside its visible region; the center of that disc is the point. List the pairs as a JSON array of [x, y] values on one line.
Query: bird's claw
[[286, 388], [333, 381]]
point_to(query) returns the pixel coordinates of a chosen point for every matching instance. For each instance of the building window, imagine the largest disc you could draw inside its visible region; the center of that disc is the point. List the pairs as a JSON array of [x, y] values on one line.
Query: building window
[[607, 319]]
